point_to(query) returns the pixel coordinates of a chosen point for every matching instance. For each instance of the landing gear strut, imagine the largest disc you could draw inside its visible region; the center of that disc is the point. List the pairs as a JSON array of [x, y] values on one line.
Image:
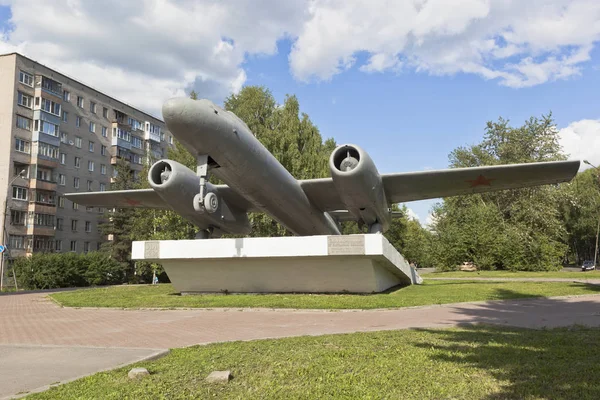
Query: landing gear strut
[[204, 202]]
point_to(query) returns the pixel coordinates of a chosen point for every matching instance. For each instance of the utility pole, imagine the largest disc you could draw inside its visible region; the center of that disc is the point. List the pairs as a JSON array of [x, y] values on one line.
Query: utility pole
[[598, 229]]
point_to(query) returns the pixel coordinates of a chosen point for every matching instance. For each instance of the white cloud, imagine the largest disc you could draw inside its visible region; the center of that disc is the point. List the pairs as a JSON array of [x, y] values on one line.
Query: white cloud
[[411, 214], [520, 43], [581, 140], [145, 51]]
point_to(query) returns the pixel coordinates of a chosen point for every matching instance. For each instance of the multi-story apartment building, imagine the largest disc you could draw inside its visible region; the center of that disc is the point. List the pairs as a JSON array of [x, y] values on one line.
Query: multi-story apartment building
[[60, 136]]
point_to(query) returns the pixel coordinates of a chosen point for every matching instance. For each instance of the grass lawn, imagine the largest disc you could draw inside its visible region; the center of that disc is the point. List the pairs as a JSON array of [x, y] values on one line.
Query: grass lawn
[[507, 274], [432, 292], [468, 363]]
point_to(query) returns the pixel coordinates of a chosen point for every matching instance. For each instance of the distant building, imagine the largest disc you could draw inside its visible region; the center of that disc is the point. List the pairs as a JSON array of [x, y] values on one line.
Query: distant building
[[62, 136]]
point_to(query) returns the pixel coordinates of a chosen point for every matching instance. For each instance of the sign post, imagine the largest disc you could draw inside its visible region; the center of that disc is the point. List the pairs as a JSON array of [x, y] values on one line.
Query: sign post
[[2, 250]]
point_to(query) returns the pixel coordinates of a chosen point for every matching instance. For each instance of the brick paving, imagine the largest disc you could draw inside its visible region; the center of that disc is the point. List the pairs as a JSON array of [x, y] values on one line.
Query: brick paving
[[33, 319], [42, 343]]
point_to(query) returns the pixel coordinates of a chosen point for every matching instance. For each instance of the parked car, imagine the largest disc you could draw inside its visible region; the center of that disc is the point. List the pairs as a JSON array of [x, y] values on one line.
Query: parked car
[[588, 265]]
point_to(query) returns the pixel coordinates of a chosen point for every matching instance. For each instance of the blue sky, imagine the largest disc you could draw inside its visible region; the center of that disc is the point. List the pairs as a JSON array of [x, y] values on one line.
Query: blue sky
[[412, 121], [407, 80]]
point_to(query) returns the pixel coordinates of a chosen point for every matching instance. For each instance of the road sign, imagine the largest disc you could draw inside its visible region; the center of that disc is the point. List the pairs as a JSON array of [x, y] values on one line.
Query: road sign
[[2, 249]]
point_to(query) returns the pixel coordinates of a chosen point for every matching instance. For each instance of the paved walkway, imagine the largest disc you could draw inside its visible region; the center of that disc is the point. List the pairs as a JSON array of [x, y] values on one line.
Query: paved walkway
[[576, 280], [32, 327]]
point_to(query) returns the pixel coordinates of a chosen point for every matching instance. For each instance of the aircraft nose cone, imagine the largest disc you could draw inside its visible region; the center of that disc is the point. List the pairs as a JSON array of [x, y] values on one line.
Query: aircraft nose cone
[[195, 121]]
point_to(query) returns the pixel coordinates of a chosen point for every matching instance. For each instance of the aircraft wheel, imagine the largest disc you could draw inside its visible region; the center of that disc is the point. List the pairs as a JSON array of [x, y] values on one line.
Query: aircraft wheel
[[211, 202], [198, 204]]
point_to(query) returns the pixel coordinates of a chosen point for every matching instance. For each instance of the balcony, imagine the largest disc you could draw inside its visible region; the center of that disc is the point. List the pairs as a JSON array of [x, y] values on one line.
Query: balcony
[[21, 158], [120, 143], [38, 230], [47, 162], [43, 185], [155, 137], [47, 85]]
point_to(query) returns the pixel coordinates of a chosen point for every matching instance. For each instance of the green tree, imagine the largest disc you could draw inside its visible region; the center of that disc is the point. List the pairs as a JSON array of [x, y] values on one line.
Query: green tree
[[514, 229], [119, 222]]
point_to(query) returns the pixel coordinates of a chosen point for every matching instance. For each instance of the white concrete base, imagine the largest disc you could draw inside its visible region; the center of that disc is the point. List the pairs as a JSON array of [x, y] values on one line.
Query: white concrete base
[[309, 264]]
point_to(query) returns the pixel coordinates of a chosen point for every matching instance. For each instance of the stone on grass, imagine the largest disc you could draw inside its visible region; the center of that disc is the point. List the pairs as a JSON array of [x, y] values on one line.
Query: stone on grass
[[136, 373], [219, 377]]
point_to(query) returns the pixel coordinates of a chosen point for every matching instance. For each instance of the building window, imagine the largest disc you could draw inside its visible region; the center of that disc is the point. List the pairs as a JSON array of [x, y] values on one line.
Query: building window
[[43, 220], [66, 96], [23, 123], [105, 112], [47, 150], [74, 225], [103, 150], [58, 245], [25, 78], [49, 106], [21, 169], [136, 142], [18, 217], [78, 121], [44, 175], [22, 146], [102, 187], [59, 224], [91, 147], [61, 202], [92, 107], [170, 139], [24, 100], [104, 132], [79, 101], [103, 169], [64, 137], [78, 142], [16, 242], [76, 183], [86, 247], [63, 158], [122, 134], [47, 128], [92, 127], [77, 162], [89, 186], [91, 166], [65, 116], [62, 179], [75, 206], [19, 193], [73, 245], [88, 226], [45, 197], [100, 210]]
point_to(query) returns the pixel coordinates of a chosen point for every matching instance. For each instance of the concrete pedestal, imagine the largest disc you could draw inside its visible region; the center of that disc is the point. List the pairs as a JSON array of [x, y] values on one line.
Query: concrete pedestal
[[310, 264]]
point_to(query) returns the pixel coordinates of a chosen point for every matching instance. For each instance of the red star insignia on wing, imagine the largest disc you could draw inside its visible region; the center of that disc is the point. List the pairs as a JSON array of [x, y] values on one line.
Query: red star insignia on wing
[[480, 181], [132, 202]]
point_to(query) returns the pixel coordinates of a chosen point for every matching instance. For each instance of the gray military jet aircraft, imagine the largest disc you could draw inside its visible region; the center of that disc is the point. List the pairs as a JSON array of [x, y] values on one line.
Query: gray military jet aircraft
[[256, 182]]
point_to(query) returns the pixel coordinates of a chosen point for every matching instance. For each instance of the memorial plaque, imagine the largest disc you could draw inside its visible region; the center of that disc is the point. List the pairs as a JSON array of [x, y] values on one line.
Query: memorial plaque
[[345, 245], [152, 250]]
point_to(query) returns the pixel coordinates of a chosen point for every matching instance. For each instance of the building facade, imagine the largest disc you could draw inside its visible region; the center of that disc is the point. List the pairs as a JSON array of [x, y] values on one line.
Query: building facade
[[61, 136]]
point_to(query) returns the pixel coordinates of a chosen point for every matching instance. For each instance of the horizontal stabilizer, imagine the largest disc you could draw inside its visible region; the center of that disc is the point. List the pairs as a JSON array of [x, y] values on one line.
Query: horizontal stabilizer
[[344, 215]]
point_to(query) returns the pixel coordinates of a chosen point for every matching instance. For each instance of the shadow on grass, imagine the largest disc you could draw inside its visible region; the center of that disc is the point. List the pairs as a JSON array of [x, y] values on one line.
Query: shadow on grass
[[557, 359]]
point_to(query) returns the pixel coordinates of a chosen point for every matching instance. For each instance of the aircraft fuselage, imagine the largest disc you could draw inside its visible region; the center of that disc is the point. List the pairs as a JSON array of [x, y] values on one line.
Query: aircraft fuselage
[[244, 163]]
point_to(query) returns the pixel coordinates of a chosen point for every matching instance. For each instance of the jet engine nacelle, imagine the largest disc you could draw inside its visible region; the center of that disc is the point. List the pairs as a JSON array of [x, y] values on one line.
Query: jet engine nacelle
[[178, 186], [360, 187]]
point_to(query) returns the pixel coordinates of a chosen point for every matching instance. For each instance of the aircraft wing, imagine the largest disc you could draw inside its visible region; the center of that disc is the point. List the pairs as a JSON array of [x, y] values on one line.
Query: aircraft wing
[[148, 198], [457, 181], [411, 186]]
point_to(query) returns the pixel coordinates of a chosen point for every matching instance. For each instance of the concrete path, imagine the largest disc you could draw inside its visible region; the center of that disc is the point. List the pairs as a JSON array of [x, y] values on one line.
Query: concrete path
[[574, 280], [30, 320]]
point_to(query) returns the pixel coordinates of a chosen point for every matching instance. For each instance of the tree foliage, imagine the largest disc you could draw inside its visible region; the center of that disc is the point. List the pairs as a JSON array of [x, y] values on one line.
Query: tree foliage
[[514, 229]]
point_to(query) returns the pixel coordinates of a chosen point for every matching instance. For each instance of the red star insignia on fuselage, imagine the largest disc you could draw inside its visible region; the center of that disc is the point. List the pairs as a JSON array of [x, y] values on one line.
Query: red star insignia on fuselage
[[480, 181], [132, 202]]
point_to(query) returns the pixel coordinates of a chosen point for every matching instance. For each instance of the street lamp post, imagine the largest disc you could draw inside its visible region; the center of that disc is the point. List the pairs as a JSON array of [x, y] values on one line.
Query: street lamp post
[[19, 175], [597, 229]]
